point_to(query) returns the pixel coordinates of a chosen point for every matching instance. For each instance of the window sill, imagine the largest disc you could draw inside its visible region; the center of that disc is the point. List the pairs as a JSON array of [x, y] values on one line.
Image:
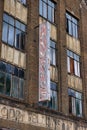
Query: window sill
[[12, 46], [72, 36], [48, 20], [75, 117], [72, 74], [10, 98]]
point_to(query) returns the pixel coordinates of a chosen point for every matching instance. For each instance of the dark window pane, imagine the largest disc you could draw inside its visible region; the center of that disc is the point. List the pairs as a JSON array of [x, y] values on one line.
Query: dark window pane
[[71, 92], [2, 82], [52, 53], [53, 103], [45, 104], [5, 32], [8, 84], [2, 66], [11, 35], [21, 73], [78, 107], [16, 71], [70, 104], [53, 86], [5, 17], [21, 88], [22, 41], [15, 84], [52, 56], [9, 68], [17, 38]]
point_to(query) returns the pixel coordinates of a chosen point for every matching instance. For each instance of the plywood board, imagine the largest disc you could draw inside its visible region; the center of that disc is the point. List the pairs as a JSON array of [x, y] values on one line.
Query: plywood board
[[22, 62], [7, 6], [10, 54], [18, 10], [67, 40], [16, 57], [69, 80], [3, 51], [73, 44], [24, 14], [12, 7], [53, 34], [72, 81]]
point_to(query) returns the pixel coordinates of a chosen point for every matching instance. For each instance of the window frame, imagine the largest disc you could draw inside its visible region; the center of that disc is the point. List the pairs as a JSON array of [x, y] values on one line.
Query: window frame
[[49, 4], [15, 27], [48, 104], [73, 63], [12, 74], [53, 51], [73, 98], [72, 25]]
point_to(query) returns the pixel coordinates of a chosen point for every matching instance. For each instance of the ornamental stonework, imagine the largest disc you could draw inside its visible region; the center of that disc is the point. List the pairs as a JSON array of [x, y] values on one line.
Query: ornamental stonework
[[36, 119]]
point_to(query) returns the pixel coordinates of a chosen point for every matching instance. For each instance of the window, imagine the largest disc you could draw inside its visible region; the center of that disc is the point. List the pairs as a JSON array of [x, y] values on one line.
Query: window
[[75, 102], [73, 63], [52, 52], [53, 103], [72, 25], [13, 32], [47, 9], [11, 80]]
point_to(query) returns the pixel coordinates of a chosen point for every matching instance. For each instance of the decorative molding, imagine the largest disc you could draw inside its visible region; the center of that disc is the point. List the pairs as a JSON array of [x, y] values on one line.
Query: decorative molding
[[36, 119]]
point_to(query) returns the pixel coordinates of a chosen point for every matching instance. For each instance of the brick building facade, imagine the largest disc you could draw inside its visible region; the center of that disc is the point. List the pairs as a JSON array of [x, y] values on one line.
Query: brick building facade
[[43, 64]]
